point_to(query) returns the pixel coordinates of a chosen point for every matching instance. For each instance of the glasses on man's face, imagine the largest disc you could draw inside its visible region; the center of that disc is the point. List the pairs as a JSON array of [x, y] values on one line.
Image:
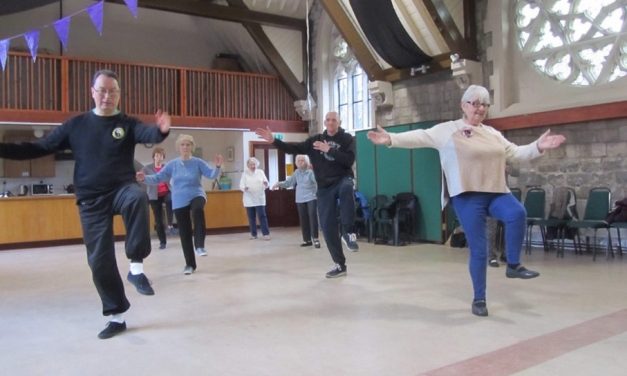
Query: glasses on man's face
[[111, 92], [477, 104]]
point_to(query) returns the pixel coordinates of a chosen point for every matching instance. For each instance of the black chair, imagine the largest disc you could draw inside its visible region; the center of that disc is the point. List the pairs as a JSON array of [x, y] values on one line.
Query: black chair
[[534, 205], [377, 204], [563, 210], [516, 192], [597, 207], [362, 215], [399, 217]]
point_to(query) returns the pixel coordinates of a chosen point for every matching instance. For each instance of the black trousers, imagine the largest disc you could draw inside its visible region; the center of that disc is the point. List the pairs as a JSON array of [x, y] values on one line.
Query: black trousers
[[190, 238], [96, 214], [328, 199], [308, 215], [157, 211]]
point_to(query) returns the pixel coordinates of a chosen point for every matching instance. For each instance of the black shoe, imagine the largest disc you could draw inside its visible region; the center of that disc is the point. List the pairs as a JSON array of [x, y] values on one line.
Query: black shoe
[[479, 308], [337, 271], [306, 244], [162, 246], [521, 272], [503, 258], [493, 263], [112, 329], [141, 283], [316, 243], [350, 241]]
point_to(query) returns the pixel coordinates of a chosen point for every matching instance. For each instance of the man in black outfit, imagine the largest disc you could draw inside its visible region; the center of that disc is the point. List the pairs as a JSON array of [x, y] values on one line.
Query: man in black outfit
[[103, 143], [332, 155]]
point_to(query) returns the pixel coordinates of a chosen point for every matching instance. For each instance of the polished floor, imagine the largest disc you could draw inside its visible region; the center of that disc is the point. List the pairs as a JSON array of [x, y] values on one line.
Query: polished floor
[[258, 307]]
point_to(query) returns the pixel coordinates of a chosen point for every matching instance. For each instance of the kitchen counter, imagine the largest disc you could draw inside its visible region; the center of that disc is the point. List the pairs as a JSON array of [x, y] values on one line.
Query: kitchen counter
[[42, 220]]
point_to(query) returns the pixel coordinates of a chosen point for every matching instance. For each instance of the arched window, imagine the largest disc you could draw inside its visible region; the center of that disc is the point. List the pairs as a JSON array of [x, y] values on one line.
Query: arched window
[[350, 95], [578, 42]]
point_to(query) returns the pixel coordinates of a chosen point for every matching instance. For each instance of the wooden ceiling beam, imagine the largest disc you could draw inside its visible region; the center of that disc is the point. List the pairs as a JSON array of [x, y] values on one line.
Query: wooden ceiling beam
[[448, 29], [221, 12], [296, 89]]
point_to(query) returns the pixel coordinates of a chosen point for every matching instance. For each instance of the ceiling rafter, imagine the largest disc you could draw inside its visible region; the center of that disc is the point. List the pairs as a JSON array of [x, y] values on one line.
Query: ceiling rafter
[[221, 12], [296, 89], [446, 26]]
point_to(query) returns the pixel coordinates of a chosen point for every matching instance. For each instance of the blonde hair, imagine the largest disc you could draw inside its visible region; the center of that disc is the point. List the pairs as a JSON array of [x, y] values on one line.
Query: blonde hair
[[184, 137]]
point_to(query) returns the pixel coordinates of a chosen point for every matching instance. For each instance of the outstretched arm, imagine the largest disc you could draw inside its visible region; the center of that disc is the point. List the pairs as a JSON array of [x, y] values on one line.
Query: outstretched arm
[[163, 120], [266, 134]]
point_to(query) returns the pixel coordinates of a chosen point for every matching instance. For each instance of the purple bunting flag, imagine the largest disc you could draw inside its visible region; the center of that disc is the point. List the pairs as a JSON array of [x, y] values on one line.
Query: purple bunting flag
[[132, 6], [32, 40], [95, 13], [4, 48], [62, 27]]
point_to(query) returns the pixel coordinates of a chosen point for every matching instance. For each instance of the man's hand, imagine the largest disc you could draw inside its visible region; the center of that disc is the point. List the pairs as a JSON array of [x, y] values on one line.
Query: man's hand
[[163, 120], [322, 146], [266, 134]]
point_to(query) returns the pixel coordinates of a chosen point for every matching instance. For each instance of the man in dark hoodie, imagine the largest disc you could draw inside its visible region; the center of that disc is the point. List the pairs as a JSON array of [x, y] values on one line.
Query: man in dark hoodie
[[103, 143], [332, 155]]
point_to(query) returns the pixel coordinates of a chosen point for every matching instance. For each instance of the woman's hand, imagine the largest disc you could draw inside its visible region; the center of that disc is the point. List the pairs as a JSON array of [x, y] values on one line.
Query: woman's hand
[[548, 141], [266, 134], [380, 136], [275, 186]]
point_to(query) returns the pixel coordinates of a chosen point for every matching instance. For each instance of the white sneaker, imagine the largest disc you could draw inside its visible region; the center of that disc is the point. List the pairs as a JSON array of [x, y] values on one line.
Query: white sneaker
[[188, 270], [252, 237], [266, 237], [201, 252]]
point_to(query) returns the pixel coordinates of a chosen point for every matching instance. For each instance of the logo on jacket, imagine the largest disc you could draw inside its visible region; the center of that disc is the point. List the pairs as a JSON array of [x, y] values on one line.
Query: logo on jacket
[[118, 133]]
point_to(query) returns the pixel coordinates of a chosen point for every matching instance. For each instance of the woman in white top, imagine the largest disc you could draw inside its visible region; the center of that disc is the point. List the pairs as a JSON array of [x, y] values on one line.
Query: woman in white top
[[254, 184]]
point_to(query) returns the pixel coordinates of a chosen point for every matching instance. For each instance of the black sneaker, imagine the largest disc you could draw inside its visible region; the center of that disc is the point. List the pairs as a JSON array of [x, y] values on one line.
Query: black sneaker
[[162, 246], [521, 272], [337, 271], [306, 244], [141, 283], [112, 329], [493, 263], [479, 308], [350, 241]]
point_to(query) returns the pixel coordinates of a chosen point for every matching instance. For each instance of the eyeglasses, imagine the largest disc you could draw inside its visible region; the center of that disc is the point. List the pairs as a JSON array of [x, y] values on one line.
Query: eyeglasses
[[103, 92], [477, 104]]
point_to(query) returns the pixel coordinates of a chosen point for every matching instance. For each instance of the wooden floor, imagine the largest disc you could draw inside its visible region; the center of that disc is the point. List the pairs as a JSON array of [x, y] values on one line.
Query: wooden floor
[[259, 307]]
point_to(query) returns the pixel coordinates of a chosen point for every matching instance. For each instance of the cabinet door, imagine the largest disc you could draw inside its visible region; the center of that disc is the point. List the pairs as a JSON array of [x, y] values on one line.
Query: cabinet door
[[12, 168], [42, 167]]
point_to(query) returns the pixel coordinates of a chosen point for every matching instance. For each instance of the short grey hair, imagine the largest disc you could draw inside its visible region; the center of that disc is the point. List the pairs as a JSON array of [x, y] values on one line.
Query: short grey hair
[[254, 160], [476, 92], [305, 157]]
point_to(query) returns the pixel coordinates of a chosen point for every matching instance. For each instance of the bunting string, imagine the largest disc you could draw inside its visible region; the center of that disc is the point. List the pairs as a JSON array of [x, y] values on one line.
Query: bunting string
[[62, 29]]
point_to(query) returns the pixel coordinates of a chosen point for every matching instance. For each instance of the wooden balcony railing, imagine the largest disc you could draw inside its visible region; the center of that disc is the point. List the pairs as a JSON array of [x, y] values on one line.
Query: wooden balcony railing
[[53, 88]]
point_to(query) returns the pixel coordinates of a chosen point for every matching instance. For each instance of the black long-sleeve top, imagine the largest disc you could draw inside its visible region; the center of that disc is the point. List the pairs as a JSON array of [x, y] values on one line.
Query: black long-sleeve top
[[103, 147], [331, 167]]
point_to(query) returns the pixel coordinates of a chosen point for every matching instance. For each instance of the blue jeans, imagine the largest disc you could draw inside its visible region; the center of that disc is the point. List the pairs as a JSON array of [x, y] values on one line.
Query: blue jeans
[[260, 212], [472, 208]]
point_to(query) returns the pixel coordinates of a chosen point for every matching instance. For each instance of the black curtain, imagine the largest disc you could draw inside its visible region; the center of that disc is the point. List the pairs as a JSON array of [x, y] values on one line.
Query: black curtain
[[386, 33]]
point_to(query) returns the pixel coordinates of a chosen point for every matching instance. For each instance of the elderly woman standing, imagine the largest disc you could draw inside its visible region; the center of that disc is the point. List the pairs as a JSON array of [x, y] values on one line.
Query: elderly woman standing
[[254, 183], [473, 158], [305, 181], [158, 195], [188, 196]]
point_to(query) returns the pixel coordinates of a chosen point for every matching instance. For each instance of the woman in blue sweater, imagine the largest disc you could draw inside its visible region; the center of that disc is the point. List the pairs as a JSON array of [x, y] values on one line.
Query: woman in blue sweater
[[188, 196], [305, 181]]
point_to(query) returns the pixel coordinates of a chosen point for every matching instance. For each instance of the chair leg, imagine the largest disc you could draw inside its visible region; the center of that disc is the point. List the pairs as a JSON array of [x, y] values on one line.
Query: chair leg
[[395, 231], [620, 245]]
